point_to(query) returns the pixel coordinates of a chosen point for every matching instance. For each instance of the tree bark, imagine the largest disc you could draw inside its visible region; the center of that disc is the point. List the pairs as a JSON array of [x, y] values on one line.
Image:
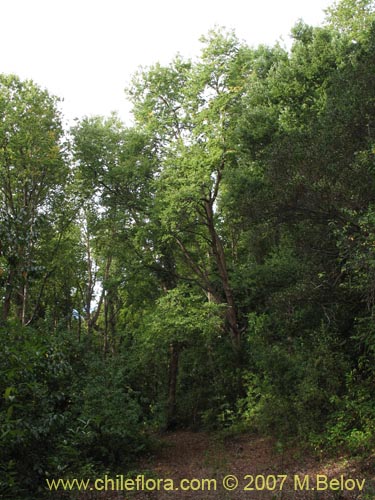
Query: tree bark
[[220, 260]]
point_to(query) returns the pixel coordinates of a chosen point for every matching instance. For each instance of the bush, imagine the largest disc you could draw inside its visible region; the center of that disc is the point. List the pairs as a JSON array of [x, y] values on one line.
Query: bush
[[113, 414], [61, 412], [36, 390], [290, 390]]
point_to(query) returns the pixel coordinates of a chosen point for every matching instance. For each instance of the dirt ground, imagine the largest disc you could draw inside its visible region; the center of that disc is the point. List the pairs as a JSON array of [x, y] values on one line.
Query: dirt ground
[[257, 470]]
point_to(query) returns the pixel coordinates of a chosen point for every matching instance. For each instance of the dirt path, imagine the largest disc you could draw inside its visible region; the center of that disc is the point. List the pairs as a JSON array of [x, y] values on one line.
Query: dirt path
[[254, 462]]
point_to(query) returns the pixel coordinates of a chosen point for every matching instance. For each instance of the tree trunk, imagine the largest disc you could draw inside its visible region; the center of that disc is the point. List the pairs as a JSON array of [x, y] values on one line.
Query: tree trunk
[[107, 294], [89, 287], [8, 294], [25, 291], [220, 260], [172, 385]]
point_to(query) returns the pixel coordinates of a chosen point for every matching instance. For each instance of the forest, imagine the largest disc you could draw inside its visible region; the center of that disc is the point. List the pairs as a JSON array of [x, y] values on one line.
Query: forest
[[211, 267]]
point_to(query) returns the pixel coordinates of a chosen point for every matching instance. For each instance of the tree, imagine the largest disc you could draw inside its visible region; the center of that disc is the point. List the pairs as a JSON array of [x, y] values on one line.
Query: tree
[[33, 174], [352, 17], [190, 110], [113, 173]]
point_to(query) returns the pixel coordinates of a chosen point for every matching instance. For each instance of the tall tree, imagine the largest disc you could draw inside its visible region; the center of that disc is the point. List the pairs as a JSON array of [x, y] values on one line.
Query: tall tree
[[33, 173], [113, 174], [191, 110]]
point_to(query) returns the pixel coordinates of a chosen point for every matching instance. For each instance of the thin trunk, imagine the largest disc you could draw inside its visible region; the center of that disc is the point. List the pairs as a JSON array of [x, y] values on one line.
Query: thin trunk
[[79, 326], [24, 301], [8, 294], [106, 299], [90, 286], [172, 385], [105, 336], [168, 282], [112, 324], [39, 298]]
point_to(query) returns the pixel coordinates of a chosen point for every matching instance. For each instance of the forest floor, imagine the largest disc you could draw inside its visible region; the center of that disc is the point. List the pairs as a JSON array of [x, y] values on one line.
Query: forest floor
[[185, 455]]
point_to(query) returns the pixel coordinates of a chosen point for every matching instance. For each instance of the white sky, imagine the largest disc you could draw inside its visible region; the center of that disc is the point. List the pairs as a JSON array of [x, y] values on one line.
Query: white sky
[[86, 51]]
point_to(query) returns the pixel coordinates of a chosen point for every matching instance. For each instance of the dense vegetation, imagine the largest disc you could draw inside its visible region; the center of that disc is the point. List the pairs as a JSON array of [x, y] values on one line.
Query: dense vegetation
[[212, 266]]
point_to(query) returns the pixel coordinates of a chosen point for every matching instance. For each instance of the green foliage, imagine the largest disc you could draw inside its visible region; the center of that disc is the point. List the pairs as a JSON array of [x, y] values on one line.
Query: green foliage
[[352, 17], [61, 412], [33, 176], [36, 378], [182, 315], [112, 413], [210, 267]]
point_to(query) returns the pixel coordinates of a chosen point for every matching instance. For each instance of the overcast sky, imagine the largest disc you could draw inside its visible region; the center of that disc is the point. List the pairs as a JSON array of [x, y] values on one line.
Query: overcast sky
[[86, 51]]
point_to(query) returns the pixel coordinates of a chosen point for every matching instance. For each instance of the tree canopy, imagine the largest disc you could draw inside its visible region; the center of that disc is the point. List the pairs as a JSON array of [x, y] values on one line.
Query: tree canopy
[[211, 266]]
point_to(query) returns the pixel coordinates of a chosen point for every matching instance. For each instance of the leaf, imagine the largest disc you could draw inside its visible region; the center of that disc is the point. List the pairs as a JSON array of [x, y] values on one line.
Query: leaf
[[7, 393]]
